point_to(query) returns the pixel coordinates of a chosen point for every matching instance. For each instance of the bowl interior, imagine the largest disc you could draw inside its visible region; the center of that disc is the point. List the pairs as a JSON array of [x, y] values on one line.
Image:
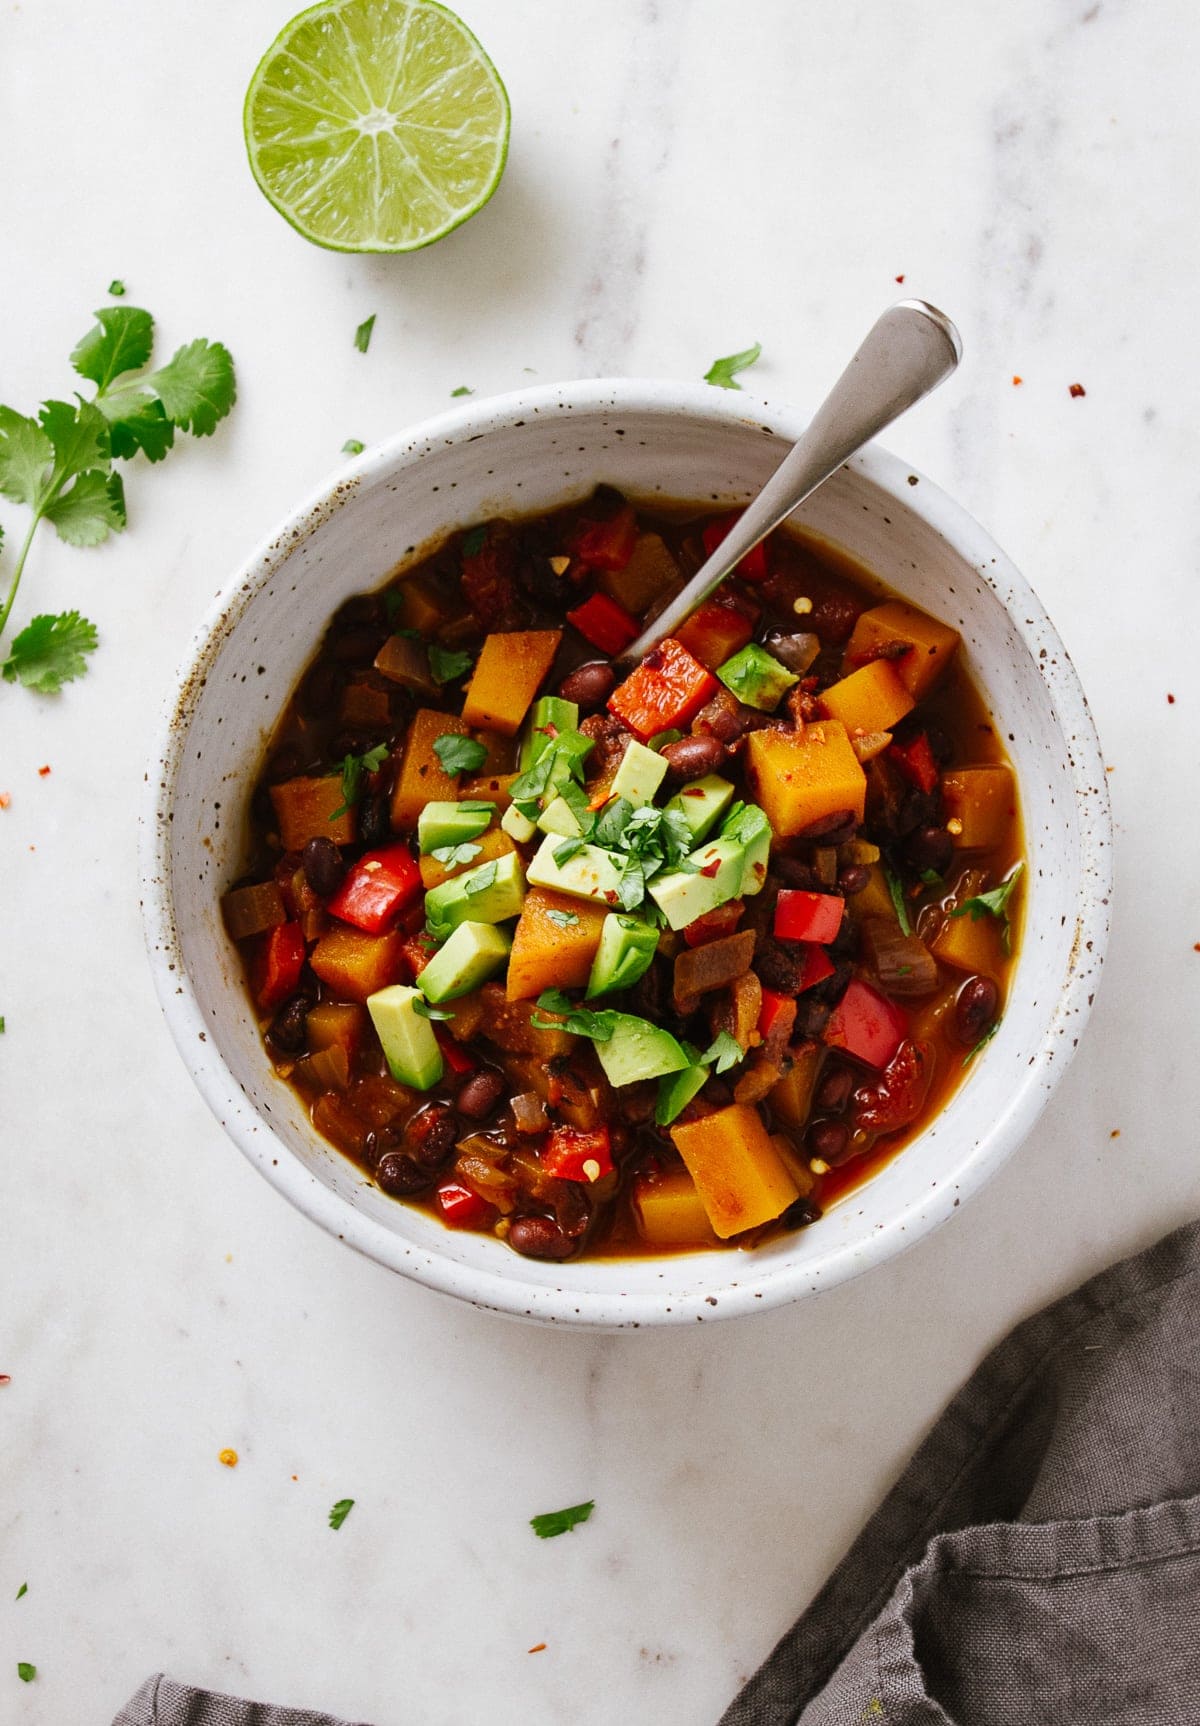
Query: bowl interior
[[550, 448]]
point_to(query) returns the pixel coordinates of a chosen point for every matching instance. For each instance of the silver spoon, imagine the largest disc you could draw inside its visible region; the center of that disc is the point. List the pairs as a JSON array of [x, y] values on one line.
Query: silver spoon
[[909, 351]]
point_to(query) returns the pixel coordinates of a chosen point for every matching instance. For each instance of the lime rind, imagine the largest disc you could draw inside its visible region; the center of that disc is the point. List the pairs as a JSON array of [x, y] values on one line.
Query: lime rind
[[376, 125]]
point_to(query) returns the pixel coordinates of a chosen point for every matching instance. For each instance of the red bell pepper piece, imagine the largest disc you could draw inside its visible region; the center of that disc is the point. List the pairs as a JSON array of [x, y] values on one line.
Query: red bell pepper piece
[[754, 566], [816, 965], [607, 544], [665, 693], [455, 1056], [604, 623], [867, 1025], [571, 1154], [280, 964], [774, 1008], [415, 954], [379, 886], [715, 632], [914, 760], [714, 924], [803, 916], [462, 1208]]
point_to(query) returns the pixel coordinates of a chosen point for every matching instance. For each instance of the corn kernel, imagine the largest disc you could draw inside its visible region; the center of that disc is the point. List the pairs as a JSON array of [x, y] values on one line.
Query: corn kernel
[[228, 1457], [954, 826], [802, 606]]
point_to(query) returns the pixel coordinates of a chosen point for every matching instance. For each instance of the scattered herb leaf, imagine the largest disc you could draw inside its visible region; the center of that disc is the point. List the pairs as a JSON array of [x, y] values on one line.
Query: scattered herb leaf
[[723, 1052], [580, 1021], [450, 856], [340, 1512], [3, 1028], [564, 919], [982, 1043], [993, 904], [722, 372], [569, 848], [931, 877], [117, 288], [462, 390], [353, 446], [354, 768], [459, 754], [362, 335], [26, 1672], [426, 1010], [24, 1588], [447, 666], [554, 1522], [50, 651], [896, 889], [479, 880]]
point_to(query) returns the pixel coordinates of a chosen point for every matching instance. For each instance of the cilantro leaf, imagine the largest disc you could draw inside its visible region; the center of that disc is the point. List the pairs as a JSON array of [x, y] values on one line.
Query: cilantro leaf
[[50, 652], [613, 822], [426, 1010], [895, 889], [354, 446], [459, 754], [3, 1028], [723, 1052], [354, 767], [993, 904], [362, 335], [981, 1044], [479, 880], [569, 848], [138, 422], [930, 877], [25, 454], [120, 341], [80, 438], [88, 511], [722, 372], [26, 1672], [462, 390], [450, 856], [447, 666], [117, 288], [340, 1512], [24, 1588], [196, 387], [553, 1522], [580, 1021], [564, 919]]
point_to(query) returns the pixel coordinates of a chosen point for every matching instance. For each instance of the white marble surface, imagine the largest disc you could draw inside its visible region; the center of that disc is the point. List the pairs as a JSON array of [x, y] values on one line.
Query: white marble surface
[[684, 178]]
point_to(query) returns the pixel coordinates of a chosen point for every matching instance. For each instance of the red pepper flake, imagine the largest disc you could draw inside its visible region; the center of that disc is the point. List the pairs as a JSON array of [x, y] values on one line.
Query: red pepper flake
[[1116, 1133], [1196, 947], [43, 772], [899, 278], [710, 870], [1078, 390], [537, 1648], [5, 1378], [1170, 699], [1017, 381], [5, 799]]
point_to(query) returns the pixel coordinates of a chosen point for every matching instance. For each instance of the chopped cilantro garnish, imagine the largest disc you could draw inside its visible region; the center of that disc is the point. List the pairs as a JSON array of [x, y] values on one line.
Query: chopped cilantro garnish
[[722, 372], [479, 880], [931, 877], [994, 904], [24, 1589], [340, 1512], [982, 1043], [569, 848], [580, 1021], [354, 768], [362, 335], [117, 288], [26, 1672], [450, 856], [724, 1052], [564, 919], [426, 1010], [354, 446], [553, 1522], [896, 889], [459, 754], [447, 666], [462, 390]]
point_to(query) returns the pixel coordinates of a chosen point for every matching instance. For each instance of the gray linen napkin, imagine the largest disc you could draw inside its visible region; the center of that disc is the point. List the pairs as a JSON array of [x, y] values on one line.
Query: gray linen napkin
[[1037, 1564]]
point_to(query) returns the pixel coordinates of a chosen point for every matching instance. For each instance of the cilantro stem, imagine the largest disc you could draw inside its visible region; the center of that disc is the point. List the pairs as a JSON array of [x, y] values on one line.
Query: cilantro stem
[[17, 572]]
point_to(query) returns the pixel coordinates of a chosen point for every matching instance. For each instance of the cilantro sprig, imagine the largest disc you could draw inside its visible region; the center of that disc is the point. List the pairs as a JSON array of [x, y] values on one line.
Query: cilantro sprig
[[723, 372], [553, 1522], [354, 770], [459, 754], [340, 1512], [60, 464], [895, 889], [580, 1021], [723, 1052], [994, 904]]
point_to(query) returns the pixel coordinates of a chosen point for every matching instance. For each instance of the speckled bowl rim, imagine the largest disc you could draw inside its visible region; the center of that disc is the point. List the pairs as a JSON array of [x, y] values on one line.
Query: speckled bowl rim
[[747, 1288]]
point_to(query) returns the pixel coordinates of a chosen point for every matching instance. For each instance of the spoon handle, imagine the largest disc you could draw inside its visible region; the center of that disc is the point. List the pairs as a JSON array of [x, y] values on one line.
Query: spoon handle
[[906, 353]]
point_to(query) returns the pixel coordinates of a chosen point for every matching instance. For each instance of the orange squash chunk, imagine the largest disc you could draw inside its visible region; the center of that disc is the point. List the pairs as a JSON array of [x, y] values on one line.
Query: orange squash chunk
[[971, 944], [354, 965], [871, 699], [933, 644], [555, 942], [507, 674], [492, 788], [335, 1024], [304, 807], [669, 1211], [791, 1096], [981, 801], [422, 779], [801, 776], [493, 843], [651, 573], [738, 1173], [419, 607]]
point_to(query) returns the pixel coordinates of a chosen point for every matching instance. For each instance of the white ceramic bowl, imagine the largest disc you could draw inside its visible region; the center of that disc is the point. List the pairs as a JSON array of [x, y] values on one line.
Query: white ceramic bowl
[[526, 453]]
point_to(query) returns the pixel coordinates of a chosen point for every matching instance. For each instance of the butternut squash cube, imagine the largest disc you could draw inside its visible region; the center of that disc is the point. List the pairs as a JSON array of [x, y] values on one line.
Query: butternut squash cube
[[354, 965], [737, 1170], [304, 809], [933, 644], [507, 674], [669, 1211], [981, 801], [420, 608], [791, 1096], [651, 573], [422, 779], [490, 788], [871, 699], [971, 944], [491, 844], [801, 776], [554, 945]]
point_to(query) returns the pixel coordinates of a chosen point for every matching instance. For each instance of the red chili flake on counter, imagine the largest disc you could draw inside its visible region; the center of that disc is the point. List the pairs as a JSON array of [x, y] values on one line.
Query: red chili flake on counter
[[43, 772], [1170, 699], [899, 278], [5, 799], [1078, 390], [1017, 381], [537, 1648], [4, 1378], [1116, 1133]]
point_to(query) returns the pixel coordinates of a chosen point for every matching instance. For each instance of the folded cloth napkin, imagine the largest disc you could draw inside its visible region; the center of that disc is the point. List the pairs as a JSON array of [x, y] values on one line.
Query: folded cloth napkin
[[1038, 1563]]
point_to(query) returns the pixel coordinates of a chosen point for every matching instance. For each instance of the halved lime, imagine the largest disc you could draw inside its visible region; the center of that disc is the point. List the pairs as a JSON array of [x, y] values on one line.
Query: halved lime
[[376, 125]]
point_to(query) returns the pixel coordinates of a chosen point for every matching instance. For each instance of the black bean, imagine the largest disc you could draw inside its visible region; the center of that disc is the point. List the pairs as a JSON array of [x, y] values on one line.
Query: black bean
[[853, 878], [929, 848], [590, 686], [323, 866], [835, 1087], [694, 757], [289, 1026], [830, 825], [429, 1137], [974, 1009], [356, 645], [399, 1175], [792, 872], [286, 763], [374, 821], [828, 1140], [540, 1238], [800, 1214], [480, 1094]]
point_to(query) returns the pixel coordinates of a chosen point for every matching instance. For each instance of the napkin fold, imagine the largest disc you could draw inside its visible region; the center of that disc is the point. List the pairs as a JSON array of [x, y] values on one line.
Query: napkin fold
[[1037, 1563]]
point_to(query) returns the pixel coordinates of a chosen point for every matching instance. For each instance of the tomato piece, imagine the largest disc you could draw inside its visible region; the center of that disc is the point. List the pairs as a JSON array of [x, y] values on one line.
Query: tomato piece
[[604, 623], [896, 1097], [461, 1208], [804, 916], [714, 924], [774, 1008], [867, 1025], [378, 887], [571, 1154], [455, 1056], [754, 566], [280, 964], [665, 692], [607, 544], [914, 760]]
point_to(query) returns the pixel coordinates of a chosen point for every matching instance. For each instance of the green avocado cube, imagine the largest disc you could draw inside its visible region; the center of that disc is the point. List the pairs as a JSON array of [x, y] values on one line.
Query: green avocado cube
[[488, 893], [638, 1050], [757, 678], [558, 817], [590, 874], [474, 952], [682, 897], [675, 1092], [517, 826], [549, 714], [409, 1045], [702, 804], [748, 826], [626, 948], [639, 776], [441, 824]]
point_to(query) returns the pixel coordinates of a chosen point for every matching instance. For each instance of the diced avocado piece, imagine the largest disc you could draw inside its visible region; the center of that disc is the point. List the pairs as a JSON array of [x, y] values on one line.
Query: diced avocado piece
[[558, 817], [639, 776], [452, 824], [757, 678], [626, 948], [662, 738], [547, 711], [747, 824], [409, 1044], [517, 826], [488, 893], [702, 804], [638, 1050], [675, 1092], [590, 874], [474, 952], [682, 897]]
